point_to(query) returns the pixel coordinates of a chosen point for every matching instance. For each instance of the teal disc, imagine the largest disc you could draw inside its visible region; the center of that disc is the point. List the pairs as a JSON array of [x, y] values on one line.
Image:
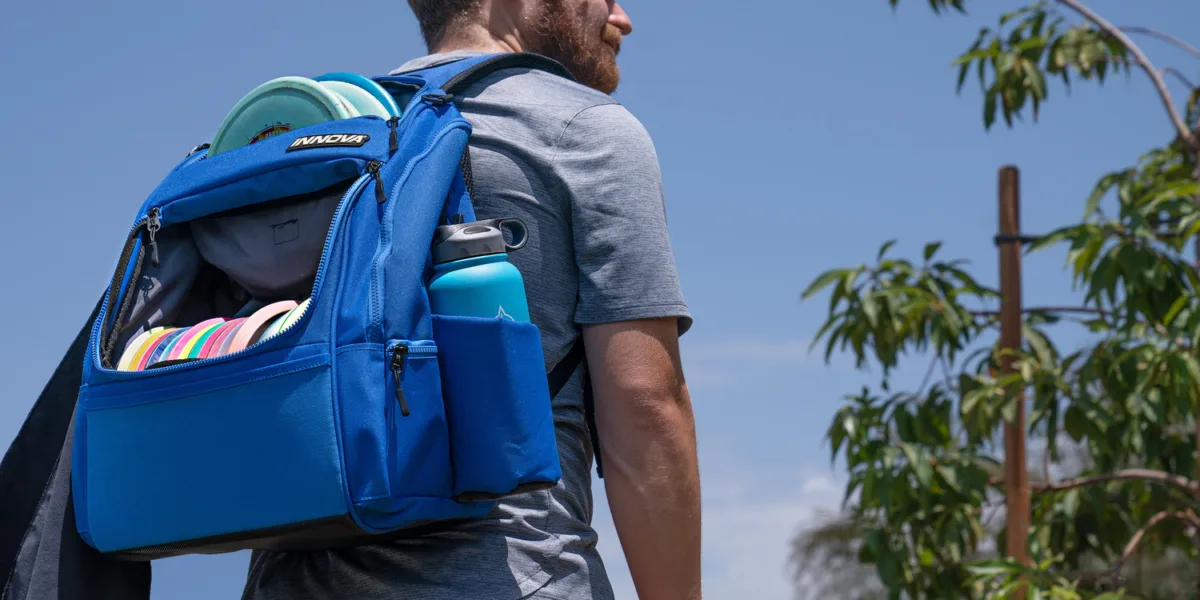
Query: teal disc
[[363, 102], [276, 107], [374, 89]]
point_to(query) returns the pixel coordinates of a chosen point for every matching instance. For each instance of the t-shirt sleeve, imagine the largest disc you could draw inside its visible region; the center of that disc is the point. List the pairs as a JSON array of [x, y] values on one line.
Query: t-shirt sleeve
[[608, 164]]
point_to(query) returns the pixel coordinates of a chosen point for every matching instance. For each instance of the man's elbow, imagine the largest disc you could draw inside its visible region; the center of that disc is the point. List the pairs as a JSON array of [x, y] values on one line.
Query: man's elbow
[[653, 404]]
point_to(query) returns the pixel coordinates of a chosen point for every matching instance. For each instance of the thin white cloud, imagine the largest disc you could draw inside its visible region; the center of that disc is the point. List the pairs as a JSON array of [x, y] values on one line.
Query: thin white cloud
[[768, 353]]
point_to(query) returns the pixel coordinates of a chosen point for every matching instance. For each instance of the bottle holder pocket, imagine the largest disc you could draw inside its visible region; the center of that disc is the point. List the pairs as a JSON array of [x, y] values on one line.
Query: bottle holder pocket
[[497, 400]]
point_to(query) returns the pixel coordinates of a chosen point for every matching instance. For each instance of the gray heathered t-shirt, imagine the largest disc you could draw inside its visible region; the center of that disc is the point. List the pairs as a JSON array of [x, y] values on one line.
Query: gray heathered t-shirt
[[583, 175]]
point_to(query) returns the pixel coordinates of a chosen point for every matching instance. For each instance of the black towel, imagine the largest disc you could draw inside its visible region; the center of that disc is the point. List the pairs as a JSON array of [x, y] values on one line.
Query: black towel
[[42, 556]]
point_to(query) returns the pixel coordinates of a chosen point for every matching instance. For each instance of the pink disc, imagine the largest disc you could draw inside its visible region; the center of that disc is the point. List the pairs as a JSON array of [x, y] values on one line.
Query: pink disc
[[178, 350], [256, 323], [213, 344]]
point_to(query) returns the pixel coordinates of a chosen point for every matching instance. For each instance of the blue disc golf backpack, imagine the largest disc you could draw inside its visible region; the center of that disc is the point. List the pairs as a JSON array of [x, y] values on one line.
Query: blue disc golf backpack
[[369, 416]]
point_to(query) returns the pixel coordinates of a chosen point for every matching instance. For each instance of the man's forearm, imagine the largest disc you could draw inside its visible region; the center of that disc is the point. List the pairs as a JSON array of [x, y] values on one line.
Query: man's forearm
[[653, 485]]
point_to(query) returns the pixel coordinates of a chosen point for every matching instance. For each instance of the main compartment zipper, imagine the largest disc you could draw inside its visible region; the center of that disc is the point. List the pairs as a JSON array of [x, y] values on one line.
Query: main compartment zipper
[[373, 168], [153, 224], [108, 326], [393, 137]]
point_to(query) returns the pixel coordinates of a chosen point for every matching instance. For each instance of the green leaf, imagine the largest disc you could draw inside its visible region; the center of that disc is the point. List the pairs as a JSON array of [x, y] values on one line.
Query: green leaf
[[823, 281], [871, 310], [950, 476], [884, 248], [962, 75], [1075, 422], [993, 568], [989, 109], [1193, 368], [931, 249], [904, 425], [1070, 503], [918, 458], [1179, 305]]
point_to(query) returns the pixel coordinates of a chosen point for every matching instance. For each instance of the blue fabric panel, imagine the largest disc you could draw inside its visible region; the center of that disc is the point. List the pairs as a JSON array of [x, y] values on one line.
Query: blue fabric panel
[[79, 468], [248, 170], [410, 217], [497, 404], [257, 454], [408, 456], [295, 180], [420, 449], [348, 270], [365, 408], [405, 512]]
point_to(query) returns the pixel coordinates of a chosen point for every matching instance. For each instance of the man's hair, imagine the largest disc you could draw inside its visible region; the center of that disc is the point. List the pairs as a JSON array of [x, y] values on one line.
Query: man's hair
[[435, 16]]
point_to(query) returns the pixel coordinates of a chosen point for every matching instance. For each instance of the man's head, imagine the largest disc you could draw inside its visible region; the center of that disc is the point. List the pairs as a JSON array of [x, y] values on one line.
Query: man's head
[[583, 35]]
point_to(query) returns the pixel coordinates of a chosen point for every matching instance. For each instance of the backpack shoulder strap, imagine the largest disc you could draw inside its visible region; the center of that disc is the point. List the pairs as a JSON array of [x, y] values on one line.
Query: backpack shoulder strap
[[558, 377], [498, 62], [454, 77]]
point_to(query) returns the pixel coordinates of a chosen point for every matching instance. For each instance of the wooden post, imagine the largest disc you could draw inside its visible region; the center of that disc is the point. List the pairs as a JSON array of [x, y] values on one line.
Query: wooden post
[[1016, 476]]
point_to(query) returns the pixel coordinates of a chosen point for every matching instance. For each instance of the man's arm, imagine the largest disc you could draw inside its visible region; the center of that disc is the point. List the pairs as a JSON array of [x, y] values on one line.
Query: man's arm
[[648, 447]]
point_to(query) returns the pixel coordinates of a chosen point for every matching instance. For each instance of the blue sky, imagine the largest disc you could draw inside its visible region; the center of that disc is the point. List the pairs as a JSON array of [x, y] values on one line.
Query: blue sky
[[793, 137]]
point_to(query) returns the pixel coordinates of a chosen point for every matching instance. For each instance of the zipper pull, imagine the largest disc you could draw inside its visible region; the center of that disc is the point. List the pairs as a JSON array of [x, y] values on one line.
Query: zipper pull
[[393, 138], [438, 99], [152, 227], [373, 168], [399, 354]]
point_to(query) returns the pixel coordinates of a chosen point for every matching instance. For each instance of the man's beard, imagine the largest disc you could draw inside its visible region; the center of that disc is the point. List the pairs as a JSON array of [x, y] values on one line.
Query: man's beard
[[591, 56]]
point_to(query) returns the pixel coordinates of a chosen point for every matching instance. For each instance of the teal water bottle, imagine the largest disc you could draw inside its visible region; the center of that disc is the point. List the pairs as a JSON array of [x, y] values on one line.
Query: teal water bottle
[[472, 276]]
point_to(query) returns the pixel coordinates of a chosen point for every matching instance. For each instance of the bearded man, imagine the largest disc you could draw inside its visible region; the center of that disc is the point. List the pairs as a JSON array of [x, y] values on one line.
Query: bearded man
[[582, 173]]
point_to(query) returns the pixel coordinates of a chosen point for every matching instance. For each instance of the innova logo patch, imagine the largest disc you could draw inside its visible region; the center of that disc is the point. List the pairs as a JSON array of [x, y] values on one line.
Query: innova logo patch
[[351, 140]]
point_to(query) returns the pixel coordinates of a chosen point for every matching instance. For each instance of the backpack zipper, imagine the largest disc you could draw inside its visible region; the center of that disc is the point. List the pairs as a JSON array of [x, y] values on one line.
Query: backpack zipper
[[114, 290], [353, 192], [153, 224], [393, 137], [373, 168], [400, 355]]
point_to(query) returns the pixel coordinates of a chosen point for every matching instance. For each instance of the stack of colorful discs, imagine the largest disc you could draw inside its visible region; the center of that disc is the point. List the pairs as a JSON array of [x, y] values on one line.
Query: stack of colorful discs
[[253, 328], [289, 103], [211, 338]]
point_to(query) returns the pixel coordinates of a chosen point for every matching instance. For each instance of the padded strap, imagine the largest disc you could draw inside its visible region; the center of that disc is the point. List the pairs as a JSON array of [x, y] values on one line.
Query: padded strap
[[476, 70], [558, 378], [454, 76]]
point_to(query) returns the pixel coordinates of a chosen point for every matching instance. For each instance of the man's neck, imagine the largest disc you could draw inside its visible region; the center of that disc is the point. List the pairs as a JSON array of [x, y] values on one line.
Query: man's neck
[[479, 38]]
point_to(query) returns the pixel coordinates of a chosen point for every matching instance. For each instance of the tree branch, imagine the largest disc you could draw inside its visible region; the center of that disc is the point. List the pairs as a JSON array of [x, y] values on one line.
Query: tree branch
[[1164, 478], [1049, 309], [1168, 102], [1179, 76], [1170, 39], [1113, 573], [1137, 539]]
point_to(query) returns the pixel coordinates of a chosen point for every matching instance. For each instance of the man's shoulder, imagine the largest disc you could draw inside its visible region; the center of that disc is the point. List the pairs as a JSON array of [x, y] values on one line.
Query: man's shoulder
[[535, 94]]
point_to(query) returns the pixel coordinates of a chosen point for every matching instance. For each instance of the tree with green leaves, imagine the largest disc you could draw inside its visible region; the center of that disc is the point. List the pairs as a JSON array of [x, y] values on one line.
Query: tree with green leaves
[[1116, 491]]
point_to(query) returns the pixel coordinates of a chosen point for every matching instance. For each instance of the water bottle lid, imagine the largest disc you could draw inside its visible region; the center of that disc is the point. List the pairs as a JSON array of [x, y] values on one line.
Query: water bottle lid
[[479, 238]]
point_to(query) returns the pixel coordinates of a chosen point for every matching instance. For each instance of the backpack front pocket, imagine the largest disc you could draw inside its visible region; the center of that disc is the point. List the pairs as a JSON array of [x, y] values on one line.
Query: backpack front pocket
[[246, 448]]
